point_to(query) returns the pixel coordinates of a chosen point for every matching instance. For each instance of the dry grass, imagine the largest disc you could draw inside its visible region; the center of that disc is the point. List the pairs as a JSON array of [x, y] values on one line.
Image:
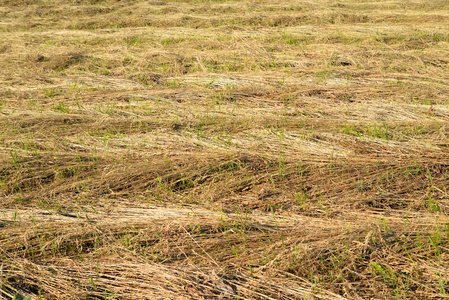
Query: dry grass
[[224, 149]]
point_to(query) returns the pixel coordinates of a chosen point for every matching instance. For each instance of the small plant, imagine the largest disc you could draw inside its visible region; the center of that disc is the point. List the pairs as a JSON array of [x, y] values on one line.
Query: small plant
[[62, 107], [143, 79], [172, 83], [50, 93], [18, 297], [432, 205], [388, 275]]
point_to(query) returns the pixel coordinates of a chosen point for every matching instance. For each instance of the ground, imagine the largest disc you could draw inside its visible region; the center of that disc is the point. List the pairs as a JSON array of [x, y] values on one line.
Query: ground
[[224, 149]]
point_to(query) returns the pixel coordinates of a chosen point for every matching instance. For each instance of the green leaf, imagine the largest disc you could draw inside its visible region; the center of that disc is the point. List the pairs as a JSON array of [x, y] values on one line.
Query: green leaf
[[18, 297]]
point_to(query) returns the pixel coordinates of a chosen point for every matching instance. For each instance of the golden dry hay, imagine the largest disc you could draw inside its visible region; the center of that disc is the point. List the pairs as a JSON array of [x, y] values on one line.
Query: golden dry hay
[[224, 149]]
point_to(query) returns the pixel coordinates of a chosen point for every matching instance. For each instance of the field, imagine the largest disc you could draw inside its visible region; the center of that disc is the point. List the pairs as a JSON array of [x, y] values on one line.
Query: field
[[224, 149]]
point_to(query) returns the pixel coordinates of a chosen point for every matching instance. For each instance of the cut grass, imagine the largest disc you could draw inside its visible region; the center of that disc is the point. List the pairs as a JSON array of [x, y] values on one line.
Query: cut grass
[[224, 150]]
